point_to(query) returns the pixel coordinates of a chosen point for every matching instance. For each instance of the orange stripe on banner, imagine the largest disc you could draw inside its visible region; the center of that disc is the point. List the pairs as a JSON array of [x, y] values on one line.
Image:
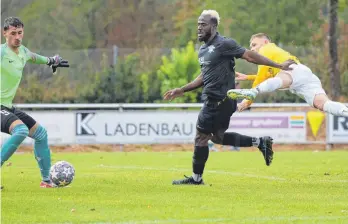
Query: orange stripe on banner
[[296, 117]]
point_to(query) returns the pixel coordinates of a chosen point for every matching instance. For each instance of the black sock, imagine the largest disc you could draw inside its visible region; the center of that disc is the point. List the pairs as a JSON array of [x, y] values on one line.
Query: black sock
[[238, 140], [200, 156]]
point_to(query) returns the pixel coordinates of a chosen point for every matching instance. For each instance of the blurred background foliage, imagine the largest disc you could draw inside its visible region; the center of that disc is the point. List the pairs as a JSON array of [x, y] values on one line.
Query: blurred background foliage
[[133, 51]]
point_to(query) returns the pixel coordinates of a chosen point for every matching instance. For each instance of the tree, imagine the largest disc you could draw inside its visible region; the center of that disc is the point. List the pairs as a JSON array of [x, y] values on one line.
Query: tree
[[287, 22], [120, 84], [332, 38], [57, 26], [178, 69], [185, 20]]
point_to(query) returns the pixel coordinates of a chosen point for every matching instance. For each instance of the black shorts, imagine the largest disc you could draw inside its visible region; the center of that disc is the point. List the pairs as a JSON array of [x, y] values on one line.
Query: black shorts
[[8, 116], [215, 116]]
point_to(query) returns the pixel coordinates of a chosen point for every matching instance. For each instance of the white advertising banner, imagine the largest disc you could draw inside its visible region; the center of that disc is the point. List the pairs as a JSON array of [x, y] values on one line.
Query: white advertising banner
[[151, 127], [135, 127], [283, 127], [59, 126], [337, 129]]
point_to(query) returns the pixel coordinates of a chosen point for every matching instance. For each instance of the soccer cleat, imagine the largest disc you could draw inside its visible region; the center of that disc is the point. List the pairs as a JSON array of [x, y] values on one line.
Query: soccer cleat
[[44, 184], [2, 187], [235, 94], [188, 180], [266, 148]]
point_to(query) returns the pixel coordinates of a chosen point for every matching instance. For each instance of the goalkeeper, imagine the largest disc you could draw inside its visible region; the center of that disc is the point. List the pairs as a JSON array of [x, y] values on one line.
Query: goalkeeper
[[13, 121]]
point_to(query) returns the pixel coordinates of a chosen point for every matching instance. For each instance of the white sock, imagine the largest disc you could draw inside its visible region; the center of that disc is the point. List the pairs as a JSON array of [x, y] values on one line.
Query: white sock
[[197, 177], [336, 108], [256, 142], [270, 85]]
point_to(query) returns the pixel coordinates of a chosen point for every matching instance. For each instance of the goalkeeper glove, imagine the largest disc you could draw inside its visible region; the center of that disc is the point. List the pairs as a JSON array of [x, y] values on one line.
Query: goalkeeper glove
[[57, 61]]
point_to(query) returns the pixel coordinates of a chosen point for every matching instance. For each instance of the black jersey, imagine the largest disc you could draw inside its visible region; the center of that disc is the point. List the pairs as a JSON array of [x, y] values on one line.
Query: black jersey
[[217, 61]]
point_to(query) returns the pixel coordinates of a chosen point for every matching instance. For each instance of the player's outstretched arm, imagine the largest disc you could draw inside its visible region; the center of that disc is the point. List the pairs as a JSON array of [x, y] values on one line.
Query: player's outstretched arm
[[244, 77], [258, 59], [245, 104], [195, 84], [54, 62], [177, 92], [34, 58]]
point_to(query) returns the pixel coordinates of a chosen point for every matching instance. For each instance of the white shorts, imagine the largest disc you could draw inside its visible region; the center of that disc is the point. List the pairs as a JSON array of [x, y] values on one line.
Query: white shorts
[[304, 83]]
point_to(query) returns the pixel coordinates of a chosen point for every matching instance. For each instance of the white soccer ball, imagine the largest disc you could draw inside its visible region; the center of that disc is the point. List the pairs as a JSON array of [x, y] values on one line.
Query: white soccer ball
[[62, 173]]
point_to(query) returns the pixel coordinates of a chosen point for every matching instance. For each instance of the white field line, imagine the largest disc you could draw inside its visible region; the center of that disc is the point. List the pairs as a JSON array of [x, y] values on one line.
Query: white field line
[[213, 171], [334, 181], [252, 219], [188, 170], [223, 220], [208, 171]]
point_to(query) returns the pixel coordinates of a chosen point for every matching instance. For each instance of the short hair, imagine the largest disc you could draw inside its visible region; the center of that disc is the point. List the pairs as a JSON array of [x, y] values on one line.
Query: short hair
[[12, 21], [260, 35], [214, 15]]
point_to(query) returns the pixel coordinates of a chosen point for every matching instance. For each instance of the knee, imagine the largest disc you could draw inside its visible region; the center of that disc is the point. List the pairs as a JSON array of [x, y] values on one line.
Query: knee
[[218, 138], [20, 129], [285, 79], [319, 101], [202, 139], [40, 134]]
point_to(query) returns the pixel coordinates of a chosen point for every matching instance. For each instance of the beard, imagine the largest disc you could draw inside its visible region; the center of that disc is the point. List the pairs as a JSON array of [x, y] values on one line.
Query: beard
[[205, 37]]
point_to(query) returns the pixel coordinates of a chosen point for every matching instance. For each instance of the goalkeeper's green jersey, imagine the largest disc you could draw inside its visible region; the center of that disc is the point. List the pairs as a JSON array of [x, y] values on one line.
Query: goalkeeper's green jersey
[[12, 66]]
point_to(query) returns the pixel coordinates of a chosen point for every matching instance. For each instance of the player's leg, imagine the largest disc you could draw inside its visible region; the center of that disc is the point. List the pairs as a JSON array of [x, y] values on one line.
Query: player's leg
[[41, 150], [42, 153], [317, 98], [283, 80], [199, 159], [222, 137], [201, 149], [235, 139], [323, 103], [200, 154], [308, 86], [12, 125]]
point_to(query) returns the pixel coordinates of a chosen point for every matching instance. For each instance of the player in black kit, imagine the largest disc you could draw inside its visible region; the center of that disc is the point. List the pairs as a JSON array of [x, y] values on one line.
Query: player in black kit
[[216, 58]]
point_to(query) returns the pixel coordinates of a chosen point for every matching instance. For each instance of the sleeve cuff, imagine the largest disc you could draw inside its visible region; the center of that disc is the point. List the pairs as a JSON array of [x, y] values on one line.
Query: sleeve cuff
[[251, 77]]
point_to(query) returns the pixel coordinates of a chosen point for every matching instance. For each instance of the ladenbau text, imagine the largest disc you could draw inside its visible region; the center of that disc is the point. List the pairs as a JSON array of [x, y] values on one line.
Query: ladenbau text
[[145, 129]]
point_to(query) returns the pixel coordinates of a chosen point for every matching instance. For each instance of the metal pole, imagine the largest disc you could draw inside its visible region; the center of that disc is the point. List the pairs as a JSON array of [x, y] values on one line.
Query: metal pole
[[115, 53]]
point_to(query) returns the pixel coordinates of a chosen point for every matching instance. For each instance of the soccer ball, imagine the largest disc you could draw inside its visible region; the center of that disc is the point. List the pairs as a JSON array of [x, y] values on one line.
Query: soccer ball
[[62, 173]]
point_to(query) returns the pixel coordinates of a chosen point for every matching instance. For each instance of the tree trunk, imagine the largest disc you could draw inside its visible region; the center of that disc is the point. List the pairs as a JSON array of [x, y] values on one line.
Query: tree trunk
[[333, 69]]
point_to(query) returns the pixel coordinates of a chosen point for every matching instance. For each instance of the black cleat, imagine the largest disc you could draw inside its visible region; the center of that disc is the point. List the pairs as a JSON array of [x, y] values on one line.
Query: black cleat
[[266, 148], [2, 187], [187, 180]]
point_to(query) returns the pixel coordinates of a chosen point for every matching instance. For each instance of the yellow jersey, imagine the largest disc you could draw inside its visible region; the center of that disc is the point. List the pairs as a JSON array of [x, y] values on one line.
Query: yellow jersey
[[276, 54]]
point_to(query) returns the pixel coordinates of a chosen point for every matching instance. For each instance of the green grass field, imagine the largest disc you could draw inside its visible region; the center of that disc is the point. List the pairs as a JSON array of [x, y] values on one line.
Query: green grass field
[[299, 187]]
